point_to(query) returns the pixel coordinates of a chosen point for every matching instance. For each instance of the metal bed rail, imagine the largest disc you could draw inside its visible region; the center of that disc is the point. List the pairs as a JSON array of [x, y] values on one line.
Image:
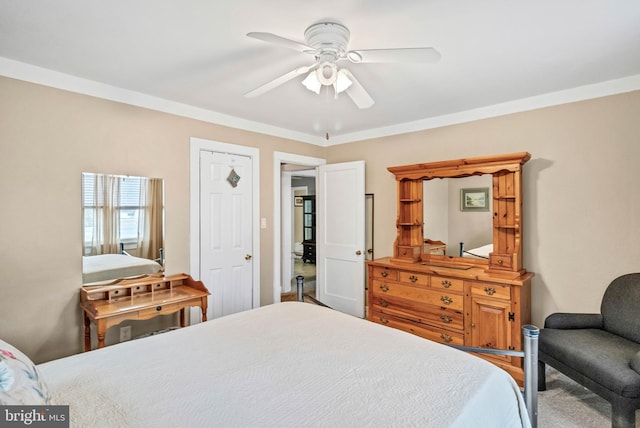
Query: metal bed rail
[[530, 355]]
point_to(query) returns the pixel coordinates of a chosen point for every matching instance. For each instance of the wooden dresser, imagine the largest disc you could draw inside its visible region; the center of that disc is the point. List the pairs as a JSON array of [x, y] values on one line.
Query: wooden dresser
[[139, 299], [452, 306], [451, 299]]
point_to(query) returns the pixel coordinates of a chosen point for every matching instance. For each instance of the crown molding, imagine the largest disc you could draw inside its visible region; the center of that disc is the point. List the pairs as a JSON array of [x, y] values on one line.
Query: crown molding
[[55, 79]]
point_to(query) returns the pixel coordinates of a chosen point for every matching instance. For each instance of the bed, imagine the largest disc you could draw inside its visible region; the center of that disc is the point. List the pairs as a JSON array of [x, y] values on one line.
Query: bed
[[288, 364], [105, 267]]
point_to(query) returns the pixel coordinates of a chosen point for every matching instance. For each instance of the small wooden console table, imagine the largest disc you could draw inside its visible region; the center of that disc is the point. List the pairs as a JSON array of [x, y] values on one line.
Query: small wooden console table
[[139, 299]]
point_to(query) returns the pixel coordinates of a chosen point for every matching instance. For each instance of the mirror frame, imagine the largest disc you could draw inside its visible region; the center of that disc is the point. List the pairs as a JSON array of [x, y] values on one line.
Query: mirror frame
[[506, 172]]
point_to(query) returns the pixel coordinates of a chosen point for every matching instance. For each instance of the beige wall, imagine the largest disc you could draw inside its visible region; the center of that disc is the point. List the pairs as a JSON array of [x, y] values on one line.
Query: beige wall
[[581, 210], [581, 190], [48, 137]]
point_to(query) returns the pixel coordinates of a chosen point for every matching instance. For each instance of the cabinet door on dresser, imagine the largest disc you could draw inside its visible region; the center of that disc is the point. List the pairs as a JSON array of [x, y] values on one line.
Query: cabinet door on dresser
[[490, 317]]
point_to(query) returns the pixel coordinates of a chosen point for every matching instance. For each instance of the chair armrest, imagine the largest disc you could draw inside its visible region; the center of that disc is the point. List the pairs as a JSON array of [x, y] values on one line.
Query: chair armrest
[[567, 321], [635, 362]]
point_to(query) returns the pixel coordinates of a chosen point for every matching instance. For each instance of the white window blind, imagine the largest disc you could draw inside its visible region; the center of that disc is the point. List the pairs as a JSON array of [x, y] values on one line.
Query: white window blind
[[128, 205]]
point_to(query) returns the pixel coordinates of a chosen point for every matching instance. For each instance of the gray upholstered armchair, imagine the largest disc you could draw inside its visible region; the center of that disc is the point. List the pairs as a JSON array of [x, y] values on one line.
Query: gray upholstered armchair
[[600, 351]]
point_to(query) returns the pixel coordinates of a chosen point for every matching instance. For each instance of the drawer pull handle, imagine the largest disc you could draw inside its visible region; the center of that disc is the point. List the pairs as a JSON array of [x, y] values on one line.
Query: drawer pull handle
[[490, 291], [446, 284], [384, 288], [384, 320], [446, 300], [446, 338], [384, 274], [446, 318], [158, 308], [413, 278], [384, 303]]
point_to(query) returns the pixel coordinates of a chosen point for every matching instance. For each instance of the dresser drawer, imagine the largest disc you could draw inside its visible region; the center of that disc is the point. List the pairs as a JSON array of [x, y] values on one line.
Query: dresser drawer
[[438, 298], [443, 283], [500, 261], [413, 278], [418, 311], [384, 273], [496, 291], [428, 332], [160, 309], [446, 318]]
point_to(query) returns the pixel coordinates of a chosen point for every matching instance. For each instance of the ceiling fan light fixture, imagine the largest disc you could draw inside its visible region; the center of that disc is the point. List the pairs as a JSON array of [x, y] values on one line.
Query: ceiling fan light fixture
[[342, 81], [311, 82], [327, 72]]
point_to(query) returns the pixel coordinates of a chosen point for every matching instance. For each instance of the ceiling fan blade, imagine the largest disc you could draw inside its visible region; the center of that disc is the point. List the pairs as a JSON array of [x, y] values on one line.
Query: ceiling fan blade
[[272, 38], [420, 55], [357, 93], [279, 81]]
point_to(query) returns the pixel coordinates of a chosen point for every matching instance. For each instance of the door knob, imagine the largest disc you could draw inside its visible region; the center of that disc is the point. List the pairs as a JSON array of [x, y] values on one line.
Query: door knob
[[358, 252], [247, 257]]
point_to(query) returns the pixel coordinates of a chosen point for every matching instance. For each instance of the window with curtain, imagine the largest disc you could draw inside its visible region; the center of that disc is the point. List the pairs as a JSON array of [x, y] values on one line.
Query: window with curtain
[[122, 210]]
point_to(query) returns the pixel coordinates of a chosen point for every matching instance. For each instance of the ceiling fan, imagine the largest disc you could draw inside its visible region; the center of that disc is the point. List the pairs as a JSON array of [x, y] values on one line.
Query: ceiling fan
[[327, 42]]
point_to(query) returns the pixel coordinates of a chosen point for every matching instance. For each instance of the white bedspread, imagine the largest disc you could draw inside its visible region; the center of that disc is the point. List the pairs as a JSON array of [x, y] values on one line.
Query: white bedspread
[[285, 365], [113, 266]]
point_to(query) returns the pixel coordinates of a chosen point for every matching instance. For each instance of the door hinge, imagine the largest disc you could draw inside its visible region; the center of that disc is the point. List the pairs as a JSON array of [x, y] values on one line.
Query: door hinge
[[512, 316]]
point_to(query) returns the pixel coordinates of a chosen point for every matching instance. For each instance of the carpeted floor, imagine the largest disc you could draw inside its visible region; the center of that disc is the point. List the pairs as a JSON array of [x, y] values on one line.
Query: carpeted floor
[[566, 404]]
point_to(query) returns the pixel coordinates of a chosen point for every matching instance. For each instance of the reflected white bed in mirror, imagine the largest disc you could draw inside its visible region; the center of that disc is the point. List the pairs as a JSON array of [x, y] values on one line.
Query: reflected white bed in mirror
[[445, 222], [122, 227]]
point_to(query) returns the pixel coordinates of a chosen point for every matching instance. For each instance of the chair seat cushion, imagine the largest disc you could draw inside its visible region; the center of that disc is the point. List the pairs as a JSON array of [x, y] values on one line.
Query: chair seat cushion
[[601, 356]]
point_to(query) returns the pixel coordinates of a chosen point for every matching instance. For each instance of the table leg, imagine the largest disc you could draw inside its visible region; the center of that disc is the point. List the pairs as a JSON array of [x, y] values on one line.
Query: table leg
[[102, 329], [182, 320], [87, 332], [203, 306]]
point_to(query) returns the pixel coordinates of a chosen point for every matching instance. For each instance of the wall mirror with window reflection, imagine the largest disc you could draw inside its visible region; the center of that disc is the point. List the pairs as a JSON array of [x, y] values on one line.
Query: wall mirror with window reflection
[[122, 227], [451, 230]]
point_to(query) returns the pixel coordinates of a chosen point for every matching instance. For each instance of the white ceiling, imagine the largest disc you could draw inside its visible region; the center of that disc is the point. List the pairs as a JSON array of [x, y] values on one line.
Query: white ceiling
[[193, 57]]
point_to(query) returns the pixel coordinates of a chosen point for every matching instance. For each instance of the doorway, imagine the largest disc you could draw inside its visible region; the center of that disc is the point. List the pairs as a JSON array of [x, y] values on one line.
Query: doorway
[[298, 230], [340, 242], [283, 246]]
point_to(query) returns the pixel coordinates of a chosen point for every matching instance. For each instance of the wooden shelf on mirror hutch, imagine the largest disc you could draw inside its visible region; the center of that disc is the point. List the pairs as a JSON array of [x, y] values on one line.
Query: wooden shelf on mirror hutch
[[472, 302], [142, 298]]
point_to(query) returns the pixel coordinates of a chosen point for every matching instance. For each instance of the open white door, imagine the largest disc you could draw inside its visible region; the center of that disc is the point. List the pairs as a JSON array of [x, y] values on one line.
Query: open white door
[[340, 239]]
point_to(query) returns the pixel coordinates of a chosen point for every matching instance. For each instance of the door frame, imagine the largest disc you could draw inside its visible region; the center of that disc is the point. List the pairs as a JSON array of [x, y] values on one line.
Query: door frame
[[278, 159], [195, 146]]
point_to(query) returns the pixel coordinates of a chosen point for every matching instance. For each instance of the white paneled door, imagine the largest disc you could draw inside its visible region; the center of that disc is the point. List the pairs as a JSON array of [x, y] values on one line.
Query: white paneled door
[[340, 238], [226, 253]]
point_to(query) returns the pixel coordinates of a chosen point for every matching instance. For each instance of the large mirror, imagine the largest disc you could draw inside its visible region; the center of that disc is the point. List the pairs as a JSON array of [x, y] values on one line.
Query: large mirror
[[458, 217], [122, 227], [501, 200]]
